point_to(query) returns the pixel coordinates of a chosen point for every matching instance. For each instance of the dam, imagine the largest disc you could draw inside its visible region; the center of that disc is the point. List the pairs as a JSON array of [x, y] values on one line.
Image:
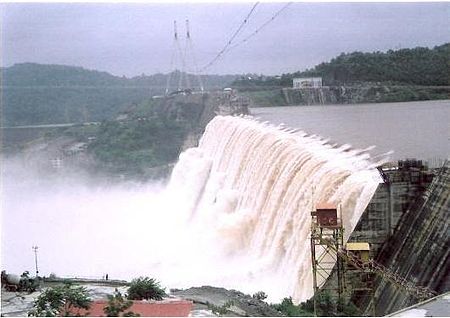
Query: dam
[[384, 219], [242, 215]]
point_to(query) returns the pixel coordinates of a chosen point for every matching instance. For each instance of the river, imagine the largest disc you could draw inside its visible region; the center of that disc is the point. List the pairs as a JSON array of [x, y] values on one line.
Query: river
[[411, 130]]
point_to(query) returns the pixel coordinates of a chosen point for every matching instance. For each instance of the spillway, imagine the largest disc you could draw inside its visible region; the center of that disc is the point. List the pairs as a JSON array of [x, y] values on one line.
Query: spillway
[[252, 186]]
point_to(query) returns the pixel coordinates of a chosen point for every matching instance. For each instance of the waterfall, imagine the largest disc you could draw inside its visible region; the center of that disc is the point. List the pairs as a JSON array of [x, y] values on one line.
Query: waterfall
[[252, 186]]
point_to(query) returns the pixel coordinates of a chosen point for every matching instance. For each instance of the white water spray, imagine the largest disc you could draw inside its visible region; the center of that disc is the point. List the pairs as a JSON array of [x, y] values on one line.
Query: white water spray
[[251, 186], [236, 213]]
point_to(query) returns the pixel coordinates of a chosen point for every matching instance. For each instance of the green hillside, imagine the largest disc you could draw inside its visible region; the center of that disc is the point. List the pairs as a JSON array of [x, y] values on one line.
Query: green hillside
[[48, 94], [416, 66]]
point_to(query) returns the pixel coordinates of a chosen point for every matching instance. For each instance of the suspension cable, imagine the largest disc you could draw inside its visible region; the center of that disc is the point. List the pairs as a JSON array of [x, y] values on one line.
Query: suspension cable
[[239, 29], [261, 27], [229, 48]]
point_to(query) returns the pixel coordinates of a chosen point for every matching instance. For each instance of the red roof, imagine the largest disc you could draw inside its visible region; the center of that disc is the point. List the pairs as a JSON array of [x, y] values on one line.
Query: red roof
[[151, 308]]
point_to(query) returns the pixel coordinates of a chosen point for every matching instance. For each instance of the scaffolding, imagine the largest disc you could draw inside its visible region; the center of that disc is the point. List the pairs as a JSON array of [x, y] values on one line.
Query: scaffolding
[[327, 238], [328, 254]]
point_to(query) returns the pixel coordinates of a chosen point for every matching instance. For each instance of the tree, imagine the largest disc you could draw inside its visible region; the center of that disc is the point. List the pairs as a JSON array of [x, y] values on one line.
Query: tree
[[28, 284], [287, 308], [145, 288], [61, 301], [221, 310], [117, 304], [260, 295], [325, 304], [326, 307]]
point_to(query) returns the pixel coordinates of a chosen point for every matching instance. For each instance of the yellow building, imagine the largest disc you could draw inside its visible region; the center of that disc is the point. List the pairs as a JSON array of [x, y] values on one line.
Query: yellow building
[[360, 249]]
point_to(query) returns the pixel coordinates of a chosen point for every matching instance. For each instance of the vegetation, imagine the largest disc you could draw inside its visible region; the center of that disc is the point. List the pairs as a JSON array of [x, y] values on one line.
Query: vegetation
[[260, 295], [326, 307], [135, 146], [61, 301], [28, 284], [54, 94], [46, 94], [145, 288], [262, 98], [139, 144], [221, 310], [417, 66], [394, 76], [287, 308], [117, 305]]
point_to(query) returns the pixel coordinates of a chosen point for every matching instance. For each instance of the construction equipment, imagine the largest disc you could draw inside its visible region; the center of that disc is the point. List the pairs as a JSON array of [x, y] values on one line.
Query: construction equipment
[[16, 283]]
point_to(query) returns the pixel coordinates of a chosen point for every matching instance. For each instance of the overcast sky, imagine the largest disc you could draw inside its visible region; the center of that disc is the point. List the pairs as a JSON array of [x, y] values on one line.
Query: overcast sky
[[130, 39]]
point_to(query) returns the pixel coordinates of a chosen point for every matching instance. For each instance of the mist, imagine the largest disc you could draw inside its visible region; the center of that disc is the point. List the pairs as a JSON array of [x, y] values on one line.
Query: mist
[[82, 228], [235, 213], [85, 227]]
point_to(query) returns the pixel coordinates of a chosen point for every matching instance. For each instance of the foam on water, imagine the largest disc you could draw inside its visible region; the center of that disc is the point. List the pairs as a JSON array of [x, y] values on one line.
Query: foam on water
[[252, 187]]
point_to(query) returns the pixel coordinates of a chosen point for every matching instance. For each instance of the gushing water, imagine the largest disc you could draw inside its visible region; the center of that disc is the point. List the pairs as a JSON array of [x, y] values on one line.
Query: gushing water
[[253, 186], [235, 214]]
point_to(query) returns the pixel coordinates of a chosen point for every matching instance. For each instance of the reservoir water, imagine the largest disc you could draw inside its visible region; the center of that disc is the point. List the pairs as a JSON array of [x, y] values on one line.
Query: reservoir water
[[411, 130]]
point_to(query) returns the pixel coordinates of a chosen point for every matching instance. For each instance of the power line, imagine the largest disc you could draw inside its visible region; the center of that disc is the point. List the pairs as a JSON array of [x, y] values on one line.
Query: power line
[[225, 50], [191, 50], [239, 29], [262, 26]]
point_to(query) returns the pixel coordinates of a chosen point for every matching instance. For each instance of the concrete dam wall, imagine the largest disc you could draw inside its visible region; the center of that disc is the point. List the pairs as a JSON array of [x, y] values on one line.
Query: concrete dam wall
[[419, 248], [404, 182], [359, 93], [406, 224], [309, 96]]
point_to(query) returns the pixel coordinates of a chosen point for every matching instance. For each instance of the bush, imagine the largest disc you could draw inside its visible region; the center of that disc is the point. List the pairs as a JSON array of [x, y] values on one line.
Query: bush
[[221, 310], [326, 307], [260, 295], [28, 284], [145, 288], [53, 276], [288, 308], [60, 300], [117, 304]]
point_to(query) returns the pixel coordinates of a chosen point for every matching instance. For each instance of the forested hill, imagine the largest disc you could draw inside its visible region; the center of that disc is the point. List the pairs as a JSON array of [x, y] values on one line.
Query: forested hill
[[47, 94], [417, 66], [39, 75]]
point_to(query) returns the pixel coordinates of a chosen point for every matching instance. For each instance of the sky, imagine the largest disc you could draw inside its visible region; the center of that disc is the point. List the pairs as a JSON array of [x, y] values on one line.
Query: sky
[[131, 39]]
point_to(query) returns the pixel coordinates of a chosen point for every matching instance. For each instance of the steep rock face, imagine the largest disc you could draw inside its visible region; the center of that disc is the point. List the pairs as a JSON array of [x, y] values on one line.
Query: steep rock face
[[419, 249]]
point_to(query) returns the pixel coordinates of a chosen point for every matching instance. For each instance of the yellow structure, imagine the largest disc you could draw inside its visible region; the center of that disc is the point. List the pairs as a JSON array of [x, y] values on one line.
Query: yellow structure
[[360, 249]]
